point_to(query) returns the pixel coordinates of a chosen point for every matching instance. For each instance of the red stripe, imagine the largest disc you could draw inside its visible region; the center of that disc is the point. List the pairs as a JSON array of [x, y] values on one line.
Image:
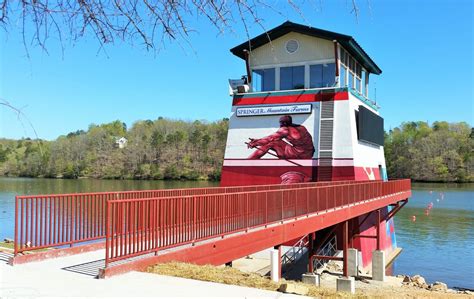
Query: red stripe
[[299, 98], [263, 175]]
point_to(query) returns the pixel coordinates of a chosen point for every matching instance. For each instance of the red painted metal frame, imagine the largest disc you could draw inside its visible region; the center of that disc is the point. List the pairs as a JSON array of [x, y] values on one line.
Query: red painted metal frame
[[139, 226], [345, 247], [221, 249], [45, 221]]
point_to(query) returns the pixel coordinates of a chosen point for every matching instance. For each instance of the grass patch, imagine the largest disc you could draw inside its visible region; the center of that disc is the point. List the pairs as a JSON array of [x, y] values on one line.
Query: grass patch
[[232, 276]]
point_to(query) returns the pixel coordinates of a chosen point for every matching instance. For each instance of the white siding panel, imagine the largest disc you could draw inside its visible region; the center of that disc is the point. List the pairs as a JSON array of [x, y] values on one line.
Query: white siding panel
[[344, 129]]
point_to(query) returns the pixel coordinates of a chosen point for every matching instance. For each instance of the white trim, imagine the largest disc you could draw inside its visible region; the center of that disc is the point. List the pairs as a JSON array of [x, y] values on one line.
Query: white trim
[[297, 46], [306, 65]]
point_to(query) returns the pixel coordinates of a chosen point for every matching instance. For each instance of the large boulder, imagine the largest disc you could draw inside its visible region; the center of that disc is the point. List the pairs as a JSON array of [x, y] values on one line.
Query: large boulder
[[439, 286], [418, 280], [406, 279]]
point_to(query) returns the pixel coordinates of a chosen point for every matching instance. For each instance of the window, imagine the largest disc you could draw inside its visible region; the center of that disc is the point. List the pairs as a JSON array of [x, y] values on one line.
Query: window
[[342, 76], [263, 80], [292, 77], [322, 75], [364, 74], [356, 75]]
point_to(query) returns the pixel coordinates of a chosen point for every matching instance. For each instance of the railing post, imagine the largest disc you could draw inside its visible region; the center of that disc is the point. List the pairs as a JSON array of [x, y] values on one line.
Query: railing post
[[247, 212], [266, 207], [15, 251], [107, 233]]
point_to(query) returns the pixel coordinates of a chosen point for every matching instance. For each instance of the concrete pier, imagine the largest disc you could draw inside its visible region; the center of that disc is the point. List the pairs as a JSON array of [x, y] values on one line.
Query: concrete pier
[[352, 262], [345, 284], [378, 265], [311, 278]]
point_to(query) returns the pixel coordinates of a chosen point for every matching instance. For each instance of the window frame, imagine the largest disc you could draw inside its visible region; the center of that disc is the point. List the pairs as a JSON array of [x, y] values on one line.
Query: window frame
[[306, 65], [265, 68], [345, 61]]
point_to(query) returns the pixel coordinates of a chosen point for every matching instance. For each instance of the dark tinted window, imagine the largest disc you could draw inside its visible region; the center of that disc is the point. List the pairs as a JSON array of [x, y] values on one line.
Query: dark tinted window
[[322, 75], [292, 77], [369, 126], [263, 80]]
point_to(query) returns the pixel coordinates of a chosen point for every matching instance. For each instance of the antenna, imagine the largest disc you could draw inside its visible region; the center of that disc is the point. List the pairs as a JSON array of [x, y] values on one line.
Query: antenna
[[375, 92]]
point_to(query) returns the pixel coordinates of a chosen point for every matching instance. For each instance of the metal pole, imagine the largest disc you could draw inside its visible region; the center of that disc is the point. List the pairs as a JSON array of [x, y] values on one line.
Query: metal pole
[[378, 229], [345, 233], [310, 252], [15, 251]]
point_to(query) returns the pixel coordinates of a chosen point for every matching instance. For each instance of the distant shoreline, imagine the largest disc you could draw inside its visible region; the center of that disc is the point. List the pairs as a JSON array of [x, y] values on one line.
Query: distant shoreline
[[194, 180]]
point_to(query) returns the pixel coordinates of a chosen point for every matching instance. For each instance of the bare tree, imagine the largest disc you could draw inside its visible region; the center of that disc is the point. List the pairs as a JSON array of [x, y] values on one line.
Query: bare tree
[[148, 22]]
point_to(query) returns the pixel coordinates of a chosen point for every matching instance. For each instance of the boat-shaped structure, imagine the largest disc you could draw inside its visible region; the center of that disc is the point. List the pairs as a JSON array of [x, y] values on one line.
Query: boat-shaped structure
[[302, 113]]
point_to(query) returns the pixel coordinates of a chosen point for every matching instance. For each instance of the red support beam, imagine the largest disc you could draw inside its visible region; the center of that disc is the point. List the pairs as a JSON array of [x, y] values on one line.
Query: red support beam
[[345, 247], [310, 252], [378, 229], [395, 210], [364, 236]]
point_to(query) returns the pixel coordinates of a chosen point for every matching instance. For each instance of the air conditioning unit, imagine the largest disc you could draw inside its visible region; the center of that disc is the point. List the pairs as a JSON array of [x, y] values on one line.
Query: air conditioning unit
[[238, 86]]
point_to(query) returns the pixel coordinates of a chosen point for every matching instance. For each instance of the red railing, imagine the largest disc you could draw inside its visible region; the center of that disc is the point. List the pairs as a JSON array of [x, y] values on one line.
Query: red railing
[[43, 221], [140, 226]]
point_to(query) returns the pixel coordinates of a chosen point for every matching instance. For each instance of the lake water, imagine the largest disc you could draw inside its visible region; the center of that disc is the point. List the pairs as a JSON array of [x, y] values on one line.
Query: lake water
[[439, 246]]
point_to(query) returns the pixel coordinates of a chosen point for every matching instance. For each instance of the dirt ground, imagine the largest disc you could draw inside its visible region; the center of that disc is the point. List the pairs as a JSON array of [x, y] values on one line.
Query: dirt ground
[[365, 288]]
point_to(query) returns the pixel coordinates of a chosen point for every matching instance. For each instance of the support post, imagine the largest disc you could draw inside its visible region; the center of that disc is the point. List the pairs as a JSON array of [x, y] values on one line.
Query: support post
[[310, 252], [345, 283], [353, 262], [275, 261], [378, 265], [378, 229], [345, 232], [311, 278]]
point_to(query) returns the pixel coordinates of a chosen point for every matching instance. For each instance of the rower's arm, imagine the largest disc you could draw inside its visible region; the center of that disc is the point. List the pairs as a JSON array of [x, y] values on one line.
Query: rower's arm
[[278, 135]]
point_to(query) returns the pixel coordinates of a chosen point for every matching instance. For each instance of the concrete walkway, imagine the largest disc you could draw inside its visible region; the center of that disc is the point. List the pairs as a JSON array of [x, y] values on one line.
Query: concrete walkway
[[73, 276]]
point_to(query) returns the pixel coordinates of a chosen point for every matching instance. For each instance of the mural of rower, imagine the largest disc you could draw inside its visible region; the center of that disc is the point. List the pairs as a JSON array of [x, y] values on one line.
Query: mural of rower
[[291, 141]]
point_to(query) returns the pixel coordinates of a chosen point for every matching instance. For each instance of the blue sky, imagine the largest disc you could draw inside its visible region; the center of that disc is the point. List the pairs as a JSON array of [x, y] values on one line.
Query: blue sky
[[425, 49]]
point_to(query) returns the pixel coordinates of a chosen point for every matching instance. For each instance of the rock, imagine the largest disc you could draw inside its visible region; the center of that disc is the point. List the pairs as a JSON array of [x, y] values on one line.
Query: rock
[[293, 288], [439, 287], [406, 279], [333, 267], [8, 240], [424, 286], [418, 280], [468, 292]]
